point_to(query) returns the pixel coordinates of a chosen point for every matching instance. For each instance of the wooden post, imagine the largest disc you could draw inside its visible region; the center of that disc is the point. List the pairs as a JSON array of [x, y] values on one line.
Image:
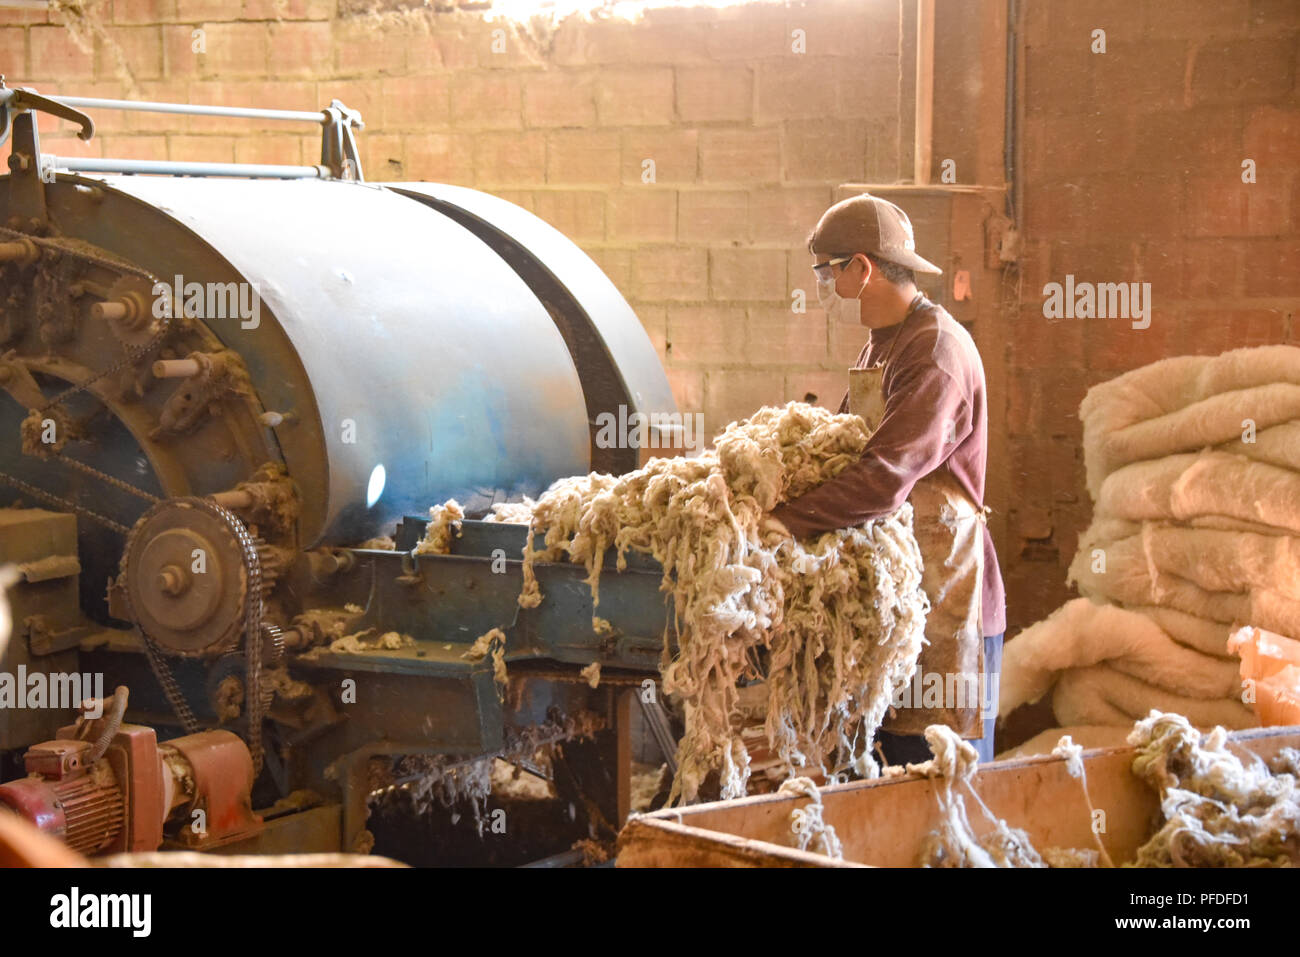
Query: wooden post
[[623, 734], [924, 90]]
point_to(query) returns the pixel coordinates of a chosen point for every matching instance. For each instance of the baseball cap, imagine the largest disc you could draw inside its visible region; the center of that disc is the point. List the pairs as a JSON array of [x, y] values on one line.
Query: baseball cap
[[869, 224]]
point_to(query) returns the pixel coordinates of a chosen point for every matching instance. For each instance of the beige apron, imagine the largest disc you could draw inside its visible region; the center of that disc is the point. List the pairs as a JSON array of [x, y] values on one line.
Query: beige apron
[[947, 525]]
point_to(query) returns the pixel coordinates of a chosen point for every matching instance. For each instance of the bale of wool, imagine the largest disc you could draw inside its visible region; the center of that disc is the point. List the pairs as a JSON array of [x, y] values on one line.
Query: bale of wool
[[1103, 695], [1212, 559], [1080, 634], [1155, 391], [1216, 420], [1186, 487], [1277, 445], [1207, 637]]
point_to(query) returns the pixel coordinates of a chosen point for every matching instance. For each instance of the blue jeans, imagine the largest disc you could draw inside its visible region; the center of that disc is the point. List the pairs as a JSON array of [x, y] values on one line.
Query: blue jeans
[[912, 749]]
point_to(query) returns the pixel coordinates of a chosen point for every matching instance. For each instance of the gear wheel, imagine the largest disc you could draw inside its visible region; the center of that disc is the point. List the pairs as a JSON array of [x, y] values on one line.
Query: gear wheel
[[192, 607], [138, 326], [185, 576]]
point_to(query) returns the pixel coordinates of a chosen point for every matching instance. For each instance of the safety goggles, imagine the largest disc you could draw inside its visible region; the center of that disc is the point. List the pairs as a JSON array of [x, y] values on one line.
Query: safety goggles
[[823, 271]]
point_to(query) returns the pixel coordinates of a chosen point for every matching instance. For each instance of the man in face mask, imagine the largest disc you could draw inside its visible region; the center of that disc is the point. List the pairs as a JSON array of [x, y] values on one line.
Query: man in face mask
[[919, 385]]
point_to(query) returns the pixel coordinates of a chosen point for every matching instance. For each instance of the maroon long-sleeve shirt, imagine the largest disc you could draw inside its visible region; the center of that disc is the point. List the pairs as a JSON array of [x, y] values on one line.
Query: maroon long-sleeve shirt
[[936, 416]]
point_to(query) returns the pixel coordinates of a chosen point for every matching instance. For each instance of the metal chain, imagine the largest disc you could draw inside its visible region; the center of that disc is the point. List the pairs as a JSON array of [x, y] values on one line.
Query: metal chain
[[68, 505], [63, 504], [106, 478], [171, 688], [157, 660], [131, 355], [256, 705], [157, 663]]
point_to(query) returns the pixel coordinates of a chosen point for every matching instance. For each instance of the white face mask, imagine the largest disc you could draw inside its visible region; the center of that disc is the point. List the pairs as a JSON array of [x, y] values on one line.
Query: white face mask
[[839, 309]]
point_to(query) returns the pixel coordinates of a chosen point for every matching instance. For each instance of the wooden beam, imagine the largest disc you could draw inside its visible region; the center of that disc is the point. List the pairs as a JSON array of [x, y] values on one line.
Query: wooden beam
[[924, 91]]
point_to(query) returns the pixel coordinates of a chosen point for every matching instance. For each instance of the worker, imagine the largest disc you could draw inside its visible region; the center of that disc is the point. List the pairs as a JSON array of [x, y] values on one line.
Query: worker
[[919, 385]]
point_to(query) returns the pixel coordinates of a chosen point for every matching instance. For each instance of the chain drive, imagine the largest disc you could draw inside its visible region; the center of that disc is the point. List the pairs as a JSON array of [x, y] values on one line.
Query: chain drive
[[257, 699]]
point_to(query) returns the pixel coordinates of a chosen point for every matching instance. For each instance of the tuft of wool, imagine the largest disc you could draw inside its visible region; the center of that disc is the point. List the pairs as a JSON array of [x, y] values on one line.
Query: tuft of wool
[[807, 823], [512, 513], [1218, 811], [953, 842], [1073, 754], [833, 624], [444, 521], [492, 642]]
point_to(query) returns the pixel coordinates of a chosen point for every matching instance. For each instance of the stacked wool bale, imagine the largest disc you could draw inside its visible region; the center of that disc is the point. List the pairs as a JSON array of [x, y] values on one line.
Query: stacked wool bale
[[1193, 465]]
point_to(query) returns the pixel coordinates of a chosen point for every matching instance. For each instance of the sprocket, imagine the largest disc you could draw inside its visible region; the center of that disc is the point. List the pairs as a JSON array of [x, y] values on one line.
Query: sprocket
[[185, 576]]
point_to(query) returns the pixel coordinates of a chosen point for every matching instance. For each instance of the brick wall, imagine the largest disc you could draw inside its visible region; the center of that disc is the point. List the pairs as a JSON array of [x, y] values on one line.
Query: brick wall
[[748, 139], [1132, 172]]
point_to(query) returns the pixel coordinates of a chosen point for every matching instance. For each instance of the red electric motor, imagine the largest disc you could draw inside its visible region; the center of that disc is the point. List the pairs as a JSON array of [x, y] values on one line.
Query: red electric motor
[[105, 787]]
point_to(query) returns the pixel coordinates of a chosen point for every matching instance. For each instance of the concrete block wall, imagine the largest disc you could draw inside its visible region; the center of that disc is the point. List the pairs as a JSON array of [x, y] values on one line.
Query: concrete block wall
[[1132, 172], [748, 138]]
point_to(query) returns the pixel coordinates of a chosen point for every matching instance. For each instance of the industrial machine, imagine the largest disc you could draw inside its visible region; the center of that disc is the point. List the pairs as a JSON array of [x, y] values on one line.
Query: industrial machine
[[230, 395]]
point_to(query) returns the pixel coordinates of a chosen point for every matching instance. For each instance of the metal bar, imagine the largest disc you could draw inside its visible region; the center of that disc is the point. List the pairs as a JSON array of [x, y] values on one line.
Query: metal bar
[[243, 112], [661, 730], [170, 168]]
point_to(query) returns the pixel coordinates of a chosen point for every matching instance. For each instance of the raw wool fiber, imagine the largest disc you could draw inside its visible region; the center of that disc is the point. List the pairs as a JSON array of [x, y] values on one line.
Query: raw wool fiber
[[493, 643], [1088, 736], [807, 824], [512, 513], [953, 843], [839, 619], [1218, 811], [444, 522], [426, 781], [647, 781], [1073, 755], [371, 640]]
